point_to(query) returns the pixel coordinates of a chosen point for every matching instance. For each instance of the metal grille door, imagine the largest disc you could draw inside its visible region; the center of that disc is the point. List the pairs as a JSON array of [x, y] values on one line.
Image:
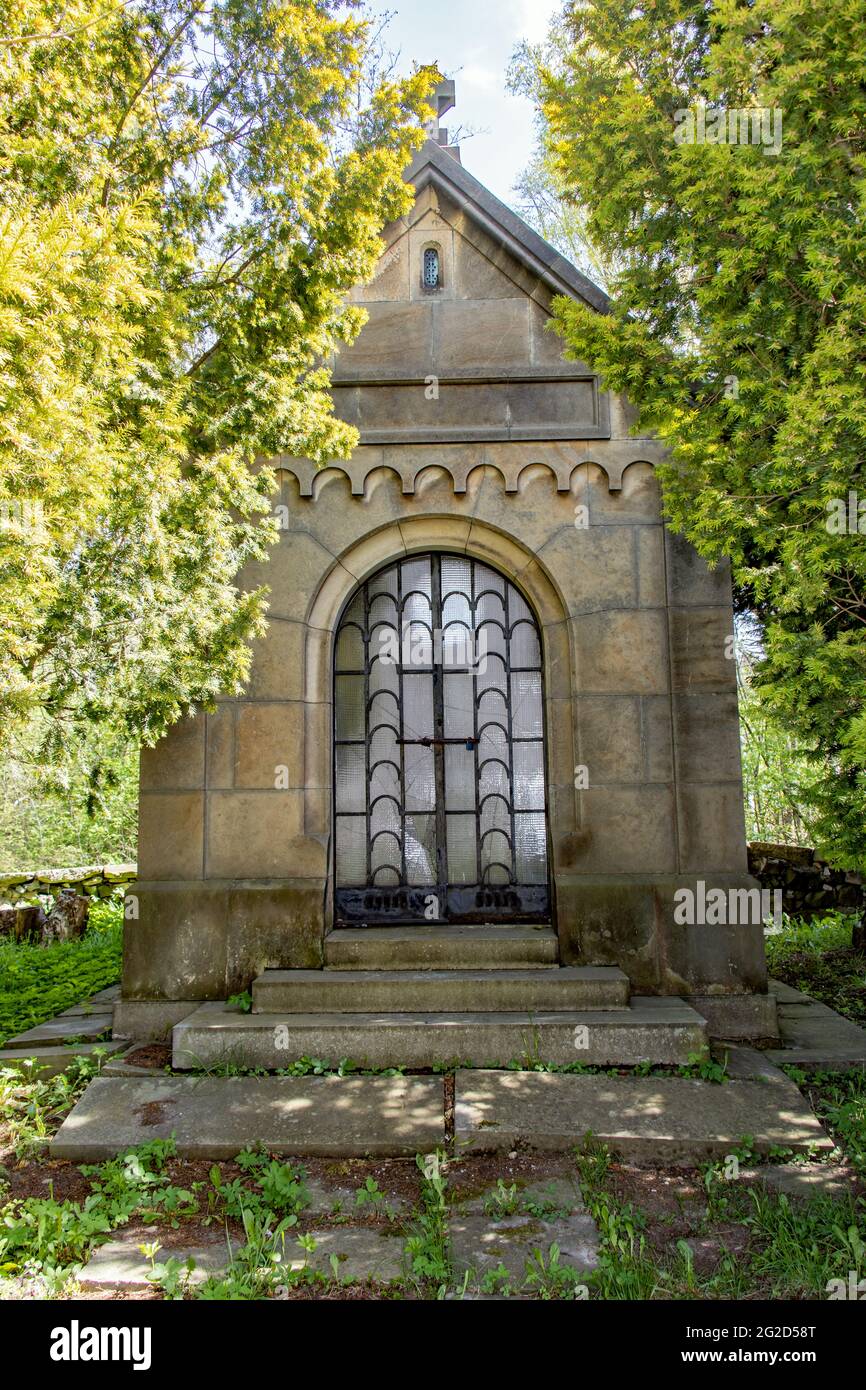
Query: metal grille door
[[439, 749]]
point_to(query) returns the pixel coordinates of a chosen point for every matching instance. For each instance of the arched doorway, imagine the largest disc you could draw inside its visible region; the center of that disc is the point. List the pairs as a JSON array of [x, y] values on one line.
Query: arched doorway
[[439, 752]]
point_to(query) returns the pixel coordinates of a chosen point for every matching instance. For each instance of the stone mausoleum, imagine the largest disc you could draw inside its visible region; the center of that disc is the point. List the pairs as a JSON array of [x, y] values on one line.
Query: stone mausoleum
[[492, 728]]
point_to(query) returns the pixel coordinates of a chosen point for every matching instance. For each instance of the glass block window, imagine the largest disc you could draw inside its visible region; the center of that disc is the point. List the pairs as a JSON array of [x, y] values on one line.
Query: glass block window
[[431, 269]]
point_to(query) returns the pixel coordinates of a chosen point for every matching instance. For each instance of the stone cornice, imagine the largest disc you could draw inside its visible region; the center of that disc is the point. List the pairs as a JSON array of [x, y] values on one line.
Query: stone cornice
[[614, 457]]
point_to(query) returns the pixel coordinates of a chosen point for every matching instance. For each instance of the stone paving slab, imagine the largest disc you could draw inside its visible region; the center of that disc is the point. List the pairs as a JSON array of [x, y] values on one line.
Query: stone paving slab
[[55, 1058], [647, 1119], [216, 1117], [479, 1245], [58, 1030], [361, 1252], [786, 994], [107, 995], [120, 1264], [804, 1179], [814, 1035], [746, 1063]]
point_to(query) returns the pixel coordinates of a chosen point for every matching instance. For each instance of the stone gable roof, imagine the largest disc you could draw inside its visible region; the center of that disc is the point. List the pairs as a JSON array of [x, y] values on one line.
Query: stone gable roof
[[433, 164]]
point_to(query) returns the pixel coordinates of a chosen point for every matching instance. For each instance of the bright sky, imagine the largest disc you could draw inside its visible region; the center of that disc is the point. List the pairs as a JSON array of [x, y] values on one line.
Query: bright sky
[[472, 41]]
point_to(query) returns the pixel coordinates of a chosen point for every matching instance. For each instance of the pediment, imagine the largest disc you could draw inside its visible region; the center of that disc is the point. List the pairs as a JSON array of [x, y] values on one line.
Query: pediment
[[435, 169], [470, 357]]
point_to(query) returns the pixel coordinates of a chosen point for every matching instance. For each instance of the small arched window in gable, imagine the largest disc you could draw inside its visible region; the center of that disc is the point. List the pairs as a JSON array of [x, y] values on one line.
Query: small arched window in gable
[[430, 275]]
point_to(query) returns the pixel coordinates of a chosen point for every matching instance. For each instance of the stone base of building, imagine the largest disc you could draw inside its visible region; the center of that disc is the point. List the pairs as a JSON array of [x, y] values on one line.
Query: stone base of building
[[209, 939], [738, 1017], [631, 922], [150, 1020]]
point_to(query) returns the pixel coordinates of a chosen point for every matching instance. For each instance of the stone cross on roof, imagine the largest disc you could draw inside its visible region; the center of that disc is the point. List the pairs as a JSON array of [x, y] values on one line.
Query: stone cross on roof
[[442, 98]]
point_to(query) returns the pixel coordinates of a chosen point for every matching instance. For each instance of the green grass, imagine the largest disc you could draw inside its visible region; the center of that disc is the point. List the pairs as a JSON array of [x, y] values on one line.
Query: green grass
[[795, 1246], [37, 982], [839, 1101], [817, 958]]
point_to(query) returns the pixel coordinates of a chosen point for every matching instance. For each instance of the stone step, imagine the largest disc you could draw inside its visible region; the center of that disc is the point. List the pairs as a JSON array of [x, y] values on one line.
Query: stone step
[[218, 1116], [646, 1120], [667, 1119], [440, 991], [442, 948], [650, 1030]]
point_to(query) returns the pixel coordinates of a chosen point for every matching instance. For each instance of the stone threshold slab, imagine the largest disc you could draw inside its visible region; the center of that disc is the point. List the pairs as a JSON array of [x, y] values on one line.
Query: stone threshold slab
[[216, 1117], [120, 1264], [646, 1119]]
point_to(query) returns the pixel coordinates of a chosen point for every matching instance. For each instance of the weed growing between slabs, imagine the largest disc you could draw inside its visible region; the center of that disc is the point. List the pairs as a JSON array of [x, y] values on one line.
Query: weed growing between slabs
[[31, 1109], [700, 1066], [839, 1101]]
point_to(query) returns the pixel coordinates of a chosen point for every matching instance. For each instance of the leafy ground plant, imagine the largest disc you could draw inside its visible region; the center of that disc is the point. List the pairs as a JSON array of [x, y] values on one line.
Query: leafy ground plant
[[39, 1235], [32, 1108], [37, 982], [549, 1278], [427, 1250], [839, 1100], [271, 1188]]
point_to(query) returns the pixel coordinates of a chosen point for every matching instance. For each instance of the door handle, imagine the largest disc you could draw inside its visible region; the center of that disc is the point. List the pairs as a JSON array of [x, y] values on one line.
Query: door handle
[[468, 743]]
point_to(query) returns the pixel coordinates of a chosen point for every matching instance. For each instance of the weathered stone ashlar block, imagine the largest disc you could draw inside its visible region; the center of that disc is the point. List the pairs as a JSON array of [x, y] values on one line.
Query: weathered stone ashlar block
[[170, 834], [707, 739], [637, 502], [176, 947], [397, 337], [293, 572], [220, 745], [477, 439], [711, 831], [649, 545], [622, 652], [631, 830], [690, 579], [610, 738], [177, 763], [593, 567], [492, 333], [260, 834], [278, 662], [276, 925], [702, 649], [269, 745]]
